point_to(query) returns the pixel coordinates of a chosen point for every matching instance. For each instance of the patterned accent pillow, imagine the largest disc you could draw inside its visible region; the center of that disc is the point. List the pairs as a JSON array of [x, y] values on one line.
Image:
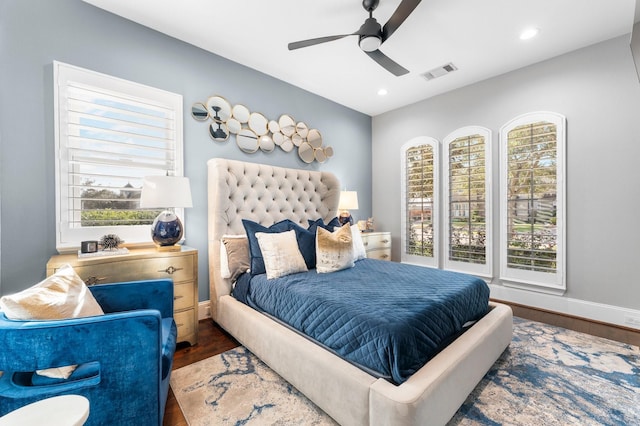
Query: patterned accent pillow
[[334, 250], [280, 253]]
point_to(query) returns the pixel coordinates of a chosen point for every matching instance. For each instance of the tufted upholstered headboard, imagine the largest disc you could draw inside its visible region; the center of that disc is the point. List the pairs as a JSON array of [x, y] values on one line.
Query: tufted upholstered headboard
[[265, 194]]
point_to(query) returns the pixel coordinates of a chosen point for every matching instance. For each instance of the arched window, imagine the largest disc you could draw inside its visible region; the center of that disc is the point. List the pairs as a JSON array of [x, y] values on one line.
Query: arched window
[[467, 201], [420, 207], [532, 200]]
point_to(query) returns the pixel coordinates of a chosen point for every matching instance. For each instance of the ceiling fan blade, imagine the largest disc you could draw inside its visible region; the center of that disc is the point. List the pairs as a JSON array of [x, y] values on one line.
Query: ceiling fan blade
[[387, 63], [402, 12], [314, 41]]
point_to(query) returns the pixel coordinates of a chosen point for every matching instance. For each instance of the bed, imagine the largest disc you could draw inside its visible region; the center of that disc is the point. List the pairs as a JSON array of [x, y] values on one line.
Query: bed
[[349, 394]]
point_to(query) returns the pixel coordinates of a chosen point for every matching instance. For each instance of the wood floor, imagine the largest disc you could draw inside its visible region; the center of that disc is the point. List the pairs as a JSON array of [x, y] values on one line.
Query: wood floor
[[212, 340]]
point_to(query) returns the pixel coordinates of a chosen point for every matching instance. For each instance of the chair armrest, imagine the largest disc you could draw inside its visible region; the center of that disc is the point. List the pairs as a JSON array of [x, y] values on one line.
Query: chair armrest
[[124, 344], [129, 296]]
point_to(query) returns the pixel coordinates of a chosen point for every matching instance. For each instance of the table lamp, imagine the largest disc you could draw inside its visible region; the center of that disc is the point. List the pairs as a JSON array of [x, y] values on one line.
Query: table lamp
[[348, 201], [166, 192]]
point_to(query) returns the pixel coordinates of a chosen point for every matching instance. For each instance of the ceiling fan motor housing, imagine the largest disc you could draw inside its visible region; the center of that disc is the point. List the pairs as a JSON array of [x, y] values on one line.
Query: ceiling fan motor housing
[[370, 35]]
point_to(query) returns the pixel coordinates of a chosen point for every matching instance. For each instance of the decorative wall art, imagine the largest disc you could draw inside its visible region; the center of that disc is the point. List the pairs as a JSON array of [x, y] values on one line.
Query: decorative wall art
[[254, 131]]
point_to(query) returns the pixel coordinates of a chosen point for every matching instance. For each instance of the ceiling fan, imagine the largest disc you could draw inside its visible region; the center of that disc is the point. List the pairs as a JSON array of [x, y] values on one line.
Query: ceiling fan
[[371, 34]]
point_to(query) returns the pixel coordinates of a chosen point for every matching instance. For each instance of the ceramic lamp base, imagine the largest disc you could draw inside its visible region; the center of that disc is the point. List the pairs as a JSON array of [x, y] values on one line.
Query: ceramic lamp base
[[344, 218], [167, 229]]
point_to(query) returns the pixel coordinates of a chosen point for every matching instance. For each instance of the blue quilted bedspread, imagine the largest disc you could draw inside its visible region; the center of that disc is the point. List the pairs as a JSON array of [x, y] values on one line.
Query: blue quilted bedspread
[[385, 317]]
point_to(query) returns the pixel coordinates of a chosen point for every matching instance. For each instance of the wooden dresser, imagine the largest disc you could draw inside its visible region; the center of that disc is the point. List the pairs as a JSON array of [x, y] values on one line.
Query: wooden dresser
[[377, 245], [142, 264]]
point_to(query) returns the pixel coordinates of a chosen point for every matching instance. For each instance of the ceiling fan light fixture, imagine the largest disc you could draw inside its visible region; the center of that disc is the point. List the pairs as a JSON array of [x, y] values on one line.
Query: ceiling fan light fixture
[[370, 43]]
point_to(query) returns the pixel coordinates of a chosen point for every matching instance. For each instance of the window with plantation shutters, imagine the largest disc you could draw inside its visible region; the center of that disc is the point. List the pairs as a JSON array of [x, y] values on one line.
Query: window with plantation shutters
[[110, 133], [467, 201], [532, 200], [420, 201]]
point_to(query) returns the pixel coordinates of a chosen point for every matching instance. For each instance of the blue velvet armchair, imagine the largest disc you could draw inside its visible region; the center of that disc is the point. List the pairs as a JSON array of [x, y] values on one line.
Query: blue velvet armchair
[[124, 357]]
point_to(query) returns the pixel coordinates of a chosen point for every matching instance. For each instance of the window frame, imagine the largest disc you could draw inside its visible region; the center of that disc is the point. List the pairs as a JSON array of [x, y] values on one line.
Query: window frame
[[486, 269], [543, 281], [432, 262], [68, 238]]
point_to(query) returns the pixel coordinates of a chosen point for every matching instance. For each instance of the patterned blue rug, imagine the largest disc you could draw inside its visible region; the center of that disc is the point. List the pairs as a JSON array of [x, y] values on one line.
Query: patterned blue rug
[[553, 376], [547, 376]]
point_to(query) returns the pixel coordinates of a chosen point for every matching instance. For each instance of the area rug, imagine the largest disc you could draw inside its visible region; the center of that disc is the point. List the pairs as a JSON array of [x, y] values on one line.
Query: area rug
[[547, 376]]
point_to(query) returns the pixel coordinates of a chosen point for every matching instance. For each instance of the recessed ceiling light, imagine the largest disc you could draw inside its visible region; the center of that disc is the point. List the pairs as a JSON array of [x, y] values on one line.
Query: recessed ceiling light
[[529, 33], [382, 92]]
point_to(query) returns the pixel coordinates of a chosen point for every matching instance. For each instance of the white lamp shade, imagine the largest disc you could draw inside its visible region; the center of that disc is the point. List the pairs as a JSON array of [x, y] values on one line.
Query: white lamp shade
[[165, 192], [348, 200]]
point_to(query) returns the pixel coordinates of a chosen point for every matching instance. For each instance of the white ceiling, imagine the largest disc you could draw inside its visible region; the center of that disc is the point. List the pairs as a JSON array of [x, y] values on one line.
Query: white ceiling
[[480, 37]]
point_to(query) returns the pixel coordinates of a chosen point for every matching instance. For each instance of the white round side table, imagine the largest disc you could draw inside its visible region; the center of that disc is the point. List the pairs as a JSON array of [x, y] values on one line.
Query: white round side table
[[65, 410]]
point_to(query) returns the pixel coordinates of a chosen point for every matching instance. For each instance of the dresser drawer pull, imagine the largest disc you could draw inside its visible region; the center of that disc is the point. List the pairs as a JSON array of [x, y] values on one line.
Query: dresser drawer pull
[[366, 243], [170, 270], [179, 325], [384, 256], [93, 280], [178, 297], [385, 241]]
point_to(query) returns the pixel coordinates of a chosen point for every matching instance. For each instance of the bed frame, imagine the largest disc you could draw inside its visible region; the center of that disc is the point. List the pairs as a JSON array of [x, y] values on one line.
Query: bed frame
[[267, 194]]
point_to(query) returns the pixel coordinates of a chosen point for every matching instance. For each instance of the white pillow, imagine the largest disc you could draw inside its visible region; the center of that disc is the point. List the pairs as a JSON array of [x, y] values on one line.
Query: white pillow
[[334, 250], [59, 296], [359, 252], [280, 253]]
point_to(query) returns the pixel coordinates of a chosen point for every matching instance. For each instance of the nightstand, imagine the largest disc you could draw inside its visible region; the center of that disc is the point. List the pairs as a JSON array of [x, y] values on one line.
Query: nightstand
[[377, 245], [143, 264]]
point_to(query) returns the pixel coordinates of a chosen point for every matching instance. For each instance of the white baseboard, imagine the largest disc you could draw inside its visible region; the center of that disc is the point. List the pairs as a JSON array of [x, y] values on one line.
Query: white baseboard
[[204, 311], [580, 308]]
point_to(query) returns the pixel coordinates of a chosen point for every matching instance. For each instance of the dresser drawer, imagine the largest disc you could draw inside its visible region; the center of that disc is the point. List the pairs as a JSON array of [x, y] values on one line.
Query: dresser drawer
[[184, 323], [380, 254], [183, 296], [178, 268], [376, 240]]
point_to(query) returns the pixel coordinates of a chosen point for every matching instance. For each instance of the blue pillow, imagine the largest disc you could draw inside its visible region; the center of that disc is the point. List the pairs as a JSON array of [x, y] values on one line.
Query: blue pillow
[[333, 223], [251, 227], [307, 238], [306, 244]]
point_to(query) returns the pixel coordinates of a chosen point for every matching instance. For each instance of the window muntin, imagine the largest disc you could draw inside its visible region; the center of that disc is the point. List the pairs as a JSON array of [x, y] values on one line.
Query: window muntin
[[110, 133], [532, 200], [467, 201], [420, 207]]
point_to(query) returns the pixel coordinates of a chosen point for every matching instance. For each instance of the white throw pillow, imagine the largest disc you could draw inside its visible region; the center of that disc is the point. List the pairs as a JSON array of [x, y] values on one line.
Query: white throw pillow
[[280, 253], [60, 296], [359, 252], [334, 250]]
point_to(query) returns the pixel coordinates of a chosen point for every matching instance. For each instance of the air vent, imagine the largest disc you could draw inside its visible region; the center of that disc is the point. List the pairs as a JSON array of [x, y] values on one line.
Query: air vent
[[439, 72]]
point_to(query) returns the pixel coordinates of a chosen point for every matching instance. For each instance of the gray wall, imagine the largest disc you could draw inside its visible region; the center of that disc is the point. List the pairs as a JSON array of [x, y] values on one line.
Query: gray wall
[[598, 91], [33, 33]]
